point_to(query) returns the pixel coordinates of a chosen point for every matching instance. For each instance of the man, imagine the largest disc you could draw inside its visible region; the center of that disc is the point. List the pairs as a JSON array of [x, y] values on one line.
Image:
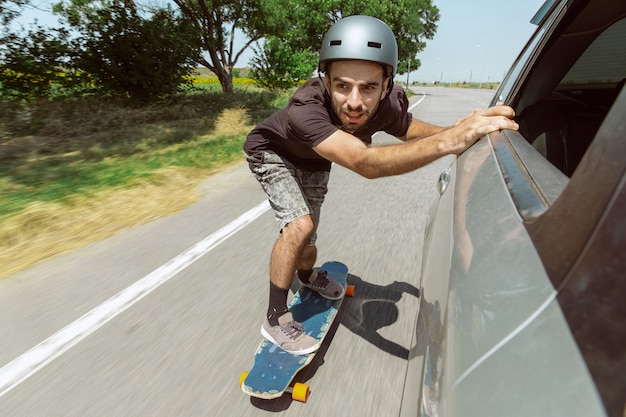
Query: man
[[333, 120]]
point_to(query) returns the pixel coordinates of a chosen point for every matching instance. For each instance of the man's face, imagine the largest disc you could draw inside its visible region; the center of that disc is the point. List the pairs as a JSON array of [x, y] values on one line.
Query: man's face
[[356, 89]]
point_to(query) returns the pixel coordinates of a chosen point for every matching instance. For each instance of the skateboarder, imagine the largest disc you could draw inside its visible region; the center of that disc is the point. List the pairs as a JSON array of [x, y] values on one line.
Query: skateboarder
[[332, 119]]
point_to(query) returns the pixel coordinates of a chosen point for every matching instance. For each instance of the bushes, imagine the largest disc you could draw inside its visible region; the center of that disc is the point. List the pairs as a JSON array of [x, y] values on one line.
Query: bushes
[[112, 51], [143, 58], [36, 65]]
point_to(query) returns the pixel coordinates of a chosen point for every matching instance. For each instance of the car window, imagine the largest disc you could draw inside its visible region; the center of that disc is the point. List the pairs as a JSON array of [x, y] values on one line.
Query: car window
[[561, 107], [604, 62]]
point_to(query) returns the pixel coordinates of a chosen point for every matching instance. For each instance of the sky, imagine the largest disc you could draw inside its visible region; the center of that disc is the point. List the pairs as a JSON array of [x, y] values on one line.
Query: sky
[[476, 40], [480, 38]]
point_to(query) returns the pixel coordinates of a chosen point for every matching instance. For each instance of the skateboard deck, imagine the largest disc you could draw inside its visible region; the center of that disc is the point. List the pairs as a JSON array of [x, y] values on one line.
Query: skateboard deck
[[273, 368]]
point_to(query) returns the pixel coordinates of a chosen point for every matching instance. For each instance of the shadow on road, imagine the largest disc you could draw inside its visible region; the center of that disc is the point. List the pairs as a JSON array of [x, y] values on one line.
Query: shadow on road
[[374, 307]]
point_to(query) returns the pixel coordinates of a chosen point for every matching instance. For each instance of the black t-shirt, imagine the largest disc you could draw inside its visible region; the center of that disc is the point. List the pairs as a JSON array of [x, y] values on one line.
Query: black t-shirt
[[309, 119]]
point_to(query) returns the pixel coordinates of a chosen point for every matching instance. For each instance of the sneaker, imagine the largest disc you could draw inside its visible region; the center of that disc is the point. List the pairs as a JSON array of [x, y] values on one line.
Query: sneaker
[[289, 336], [325, 286]]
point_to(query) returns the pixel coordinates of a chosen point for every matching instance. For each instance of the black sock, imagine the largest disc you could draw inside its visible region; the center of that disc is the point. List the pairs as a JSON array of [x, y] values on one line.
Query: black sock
[[277, 305], [305, 275]]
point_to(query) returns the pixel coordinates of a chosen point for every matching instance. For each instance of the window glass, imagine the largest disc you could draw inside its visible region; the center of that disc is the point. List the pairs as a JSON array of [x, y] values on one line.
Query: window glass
[[604, 62]]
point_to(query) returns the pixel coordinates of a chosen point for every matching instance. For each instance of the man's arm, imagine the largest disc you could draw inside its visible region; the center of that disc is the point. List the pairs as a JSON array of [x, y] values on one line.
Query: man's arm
[[418, 130], [382, 161]]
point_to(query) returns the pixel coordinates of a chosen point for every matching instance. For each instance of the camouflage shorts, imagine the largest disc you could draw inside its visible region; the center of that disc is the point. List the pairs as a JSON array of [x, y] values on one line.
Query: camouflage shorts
[[292, 192]]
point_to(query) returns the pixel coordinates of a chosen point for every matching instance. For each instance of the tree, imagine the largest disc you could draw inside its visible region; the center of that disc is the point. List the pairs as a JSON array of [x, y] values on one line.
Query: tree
[[411, 21], [279, 66], [31, 65], [9, 10], [129, 54], [34, 62], [219, 21]]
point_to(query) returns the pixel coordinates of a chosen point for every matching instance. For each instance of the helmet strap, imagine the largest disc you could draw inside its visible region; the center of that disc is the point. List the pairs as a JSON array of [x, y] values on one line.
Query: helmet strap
[[389, 88]]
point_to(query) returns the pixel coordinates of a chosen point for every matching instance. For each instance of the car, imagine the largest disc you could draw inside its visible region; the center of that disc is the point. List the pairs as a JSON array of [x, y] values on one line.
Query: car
[[523, 284]]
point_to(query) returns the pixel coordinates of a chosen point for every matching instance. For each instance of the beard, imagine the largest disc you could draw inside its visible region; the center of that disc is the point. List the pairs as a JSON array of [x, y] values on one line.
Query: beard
[[353, 118]]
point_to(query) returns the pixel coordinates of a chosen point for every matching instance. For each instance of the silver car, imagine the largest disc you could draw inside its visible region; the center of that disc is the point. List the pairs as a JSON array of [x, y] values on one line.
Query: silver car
[[523, 288]]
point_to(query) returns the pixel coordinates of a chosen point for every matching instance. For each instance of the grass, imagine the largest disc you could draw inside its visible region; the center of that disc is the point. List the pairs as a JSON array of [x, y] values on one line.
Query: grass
[[78, 170]]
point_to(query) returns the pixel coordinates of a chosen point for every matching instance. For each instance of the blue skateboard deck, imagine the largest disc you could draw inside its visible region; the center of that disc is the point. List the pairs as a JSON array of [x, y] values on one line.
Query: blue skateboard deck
[[273, 368]]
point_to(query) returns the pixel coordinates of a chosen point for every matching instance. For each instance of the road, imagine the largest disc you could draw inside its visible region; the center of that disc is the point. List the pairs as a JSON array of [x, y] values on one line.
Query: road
[[162, 319]]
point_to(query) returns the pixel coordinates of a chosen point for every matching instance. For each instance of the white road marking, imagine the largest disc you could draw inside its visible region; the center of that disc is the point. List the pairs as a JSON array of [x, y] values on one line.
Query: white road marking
[[418, 101], [26, 365]]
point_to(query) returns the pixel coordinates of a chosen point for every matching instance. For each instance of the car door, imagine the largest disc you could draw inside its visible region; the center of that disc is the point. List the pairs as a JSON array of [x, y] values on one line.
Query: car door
[[530, 296], [533, 323]]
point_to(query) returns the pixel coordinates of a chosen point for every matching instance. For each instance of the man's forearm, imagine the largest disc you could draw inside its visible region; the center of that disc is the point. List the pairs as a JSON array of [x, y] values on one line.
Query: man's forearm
[[386, 160], [419, 130]]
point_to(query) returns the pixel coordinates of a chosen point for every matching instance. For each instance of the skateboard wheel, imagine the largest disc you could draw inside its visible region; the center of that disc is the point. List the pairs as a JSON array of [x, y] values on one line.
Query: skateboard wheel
[[300, 392], [350, 290], [242, 378]]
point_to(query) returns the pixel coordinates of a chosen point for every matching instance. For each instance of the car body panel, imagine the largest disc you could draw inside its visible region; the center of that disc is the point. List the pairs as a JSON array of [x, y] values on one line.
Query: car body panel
[[497, 293], [514, 379], [424, 362]]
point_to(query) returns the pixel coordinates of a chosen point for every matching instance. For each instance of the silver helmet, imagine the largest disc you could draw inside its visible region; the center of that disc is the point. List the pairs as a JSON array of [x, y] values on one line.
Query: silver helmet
[[360, 37]]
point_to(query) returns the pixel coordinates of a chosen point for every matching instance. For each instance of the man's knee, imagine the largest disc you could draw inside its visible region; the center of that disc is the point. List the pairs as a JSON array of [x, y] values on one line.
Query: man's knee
[[301, 228]]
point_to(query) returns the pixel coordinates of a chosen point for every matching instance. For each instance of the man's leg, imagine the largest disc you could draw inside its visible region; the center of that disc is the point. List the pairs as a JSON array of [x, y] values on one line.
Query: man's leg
[[280, 327], [307, 261], [286, 256], [296, 197]]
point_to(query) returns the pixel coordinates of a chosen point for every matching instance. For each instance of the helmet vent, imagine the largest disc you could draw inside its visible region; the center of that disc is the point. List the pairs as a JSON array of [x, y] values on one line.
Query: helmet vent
[[335, 43], [377, 45]]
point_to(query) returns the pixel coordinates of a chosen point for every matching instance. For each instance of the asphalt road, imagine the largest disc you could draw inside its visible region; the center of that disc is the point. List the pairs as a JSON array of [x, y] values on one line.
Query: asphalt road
[[162, 319]]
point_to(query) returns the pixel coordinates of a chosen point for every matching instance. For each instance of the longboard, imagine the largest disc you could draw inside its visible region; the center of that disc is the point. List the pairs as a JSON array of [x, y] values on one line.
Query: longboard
[[274, 369]]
